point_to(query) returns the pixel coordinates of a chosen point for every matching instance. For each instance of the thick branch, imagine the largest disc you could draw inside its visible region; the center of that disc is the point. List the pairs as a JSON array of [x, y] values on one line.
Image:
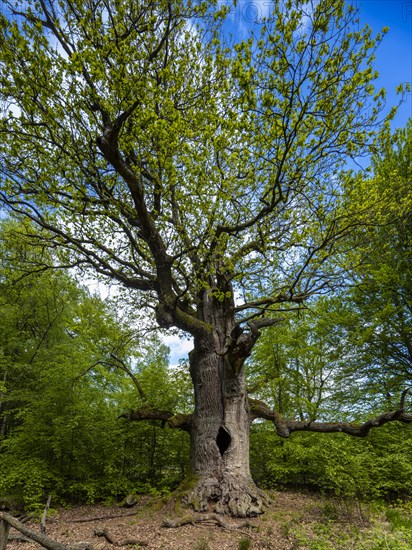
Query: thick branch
[[180, 421], [243, 341], [285, 427], [257, 324], [98, 518]]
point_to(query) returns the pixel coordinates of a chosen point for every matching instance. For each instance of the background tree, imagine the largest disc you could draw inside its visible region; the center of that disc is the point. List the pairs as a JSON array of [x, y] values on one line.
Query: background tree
[[348, 355], [294, 364], [191, 174], [69, 368], [380, 303], [318, 367]]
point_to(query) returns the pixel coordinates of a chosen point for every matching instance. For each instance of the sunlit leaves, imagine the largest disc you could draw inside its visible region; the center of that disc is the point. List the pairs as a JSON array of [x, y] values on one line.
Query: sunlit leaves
[[381, 266], [235, 152]]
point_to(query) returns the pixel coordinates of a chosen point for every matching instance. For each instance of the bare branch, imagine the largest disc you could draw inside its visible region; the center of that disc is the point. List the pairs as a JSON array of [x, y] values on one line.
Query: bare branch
[[122, 365], [272, 300], [285, 427], [180, 421]]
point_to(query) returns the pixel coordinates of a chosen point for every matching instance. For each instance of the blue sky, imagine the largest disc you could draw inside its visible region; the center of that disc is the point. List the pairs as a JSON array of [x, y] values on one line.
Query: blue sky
[[394, 56]]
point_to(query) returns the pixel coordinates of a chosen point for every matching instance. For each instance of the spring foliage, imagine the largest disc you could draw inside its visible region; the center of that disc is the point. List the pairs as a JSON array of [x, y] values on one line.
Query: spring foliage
[[62, 391], [144, 149]]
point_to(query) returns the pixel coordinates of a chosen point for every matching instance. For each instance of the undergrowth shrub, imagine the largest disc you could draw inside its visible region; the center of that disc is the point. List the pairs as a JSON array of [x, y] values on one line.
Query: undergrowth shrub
[[378, 466], [27, 481]]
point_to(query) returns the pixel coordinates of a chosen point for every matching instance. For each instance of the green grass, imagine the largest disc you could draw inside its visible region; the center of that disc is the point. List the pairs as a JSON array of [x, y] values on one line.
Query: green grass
[[245, 544], [380, 528]]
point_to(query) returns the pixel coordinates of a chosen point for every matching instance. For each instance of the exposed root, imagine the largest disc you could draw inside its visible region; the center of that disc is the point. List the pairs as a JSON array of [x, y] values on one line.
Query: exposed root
[[229, 494], [209, 518], [128, 542]]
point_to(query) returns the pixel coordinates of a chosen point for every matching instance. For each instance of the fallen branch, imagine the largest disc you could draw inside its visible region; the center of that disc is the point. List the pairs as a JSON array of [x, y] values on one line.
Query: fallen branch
[[99, 518], [26, 517], [44, 516], [44, 541], [104, 533], [20, 538], [133, 542]]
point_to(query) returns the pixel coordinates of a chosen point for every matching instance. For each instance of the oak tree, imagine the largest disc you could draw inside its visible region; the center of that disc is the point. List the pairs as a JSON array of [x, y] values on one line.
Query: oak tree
[[203, 178]]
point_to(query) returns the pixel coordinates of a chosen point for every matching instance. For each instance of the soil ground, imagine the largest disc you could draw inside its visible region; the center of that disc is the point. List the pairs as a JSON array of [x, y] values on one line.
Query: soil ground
[[292, 521]]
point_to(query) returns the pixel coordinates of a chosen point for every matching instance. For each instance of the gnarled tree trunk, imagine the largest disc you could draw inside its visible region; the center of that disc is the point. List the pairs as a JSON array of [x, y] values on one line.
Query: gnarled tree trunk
[[220, 424], [220, 439]]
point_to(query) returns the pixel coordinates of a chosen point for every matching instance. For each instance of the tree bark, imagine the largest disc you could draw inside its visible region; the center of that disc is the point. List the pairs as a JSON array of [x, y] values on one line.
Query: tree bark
[[220, 439]]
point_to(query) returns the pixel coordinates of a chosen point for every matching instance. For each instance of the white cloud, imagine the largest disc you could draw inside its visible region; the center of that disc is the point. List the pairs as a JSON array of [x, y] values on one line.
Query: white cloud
[[179, 347]]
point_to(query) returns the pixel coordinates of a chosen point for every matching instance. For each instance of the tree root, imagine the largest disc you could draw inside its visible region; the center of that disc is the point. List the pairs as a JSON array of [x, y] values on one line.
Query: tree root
[[127, 542], [227, 494], [213, 519]]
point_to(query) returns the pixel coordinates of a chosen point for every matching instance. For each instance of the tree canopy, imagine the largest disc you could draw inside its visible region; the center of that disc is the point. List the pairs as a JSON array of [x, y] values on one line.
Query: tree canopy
[[146, 149]]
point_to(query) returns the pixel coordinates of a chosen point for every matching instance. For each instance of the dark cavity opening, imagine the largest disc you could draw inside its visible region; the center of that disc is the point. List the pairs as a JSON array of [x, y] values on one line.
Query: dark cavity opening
[[223, 440]]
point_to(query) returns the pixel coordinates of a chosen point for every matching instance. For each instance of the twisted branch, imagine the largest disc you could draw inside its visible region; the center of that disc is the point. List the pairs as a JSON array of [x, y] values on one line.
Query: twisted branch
[[285, 427]]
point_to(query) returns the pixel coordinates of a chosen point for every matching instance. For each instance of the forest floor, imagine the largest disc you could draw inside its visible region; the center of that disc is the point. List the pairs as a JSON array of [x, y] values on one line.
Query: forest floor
[[293, 521]]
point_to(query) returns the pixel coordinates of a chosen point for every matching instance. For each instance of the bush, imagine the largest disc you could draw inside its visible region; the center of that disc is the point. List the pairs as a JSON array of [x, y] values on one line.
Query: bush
[[27, 481], [375, 467]]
